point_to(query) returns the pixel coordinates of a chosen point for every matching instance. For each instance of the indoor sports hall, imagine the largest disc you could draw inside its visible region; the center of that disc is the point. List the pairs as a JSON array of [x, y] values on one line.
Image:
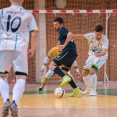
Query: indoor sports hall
[[81, 17]]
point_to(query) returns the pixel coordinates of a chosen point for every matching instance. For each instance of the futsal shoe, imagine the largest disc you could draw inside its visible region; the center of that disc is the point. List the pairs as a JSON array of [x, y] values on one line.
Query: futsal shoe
[[87, 91], [76, 91], [41, 89], [14, 109], [5, 108], [65, 80], [92, 93]]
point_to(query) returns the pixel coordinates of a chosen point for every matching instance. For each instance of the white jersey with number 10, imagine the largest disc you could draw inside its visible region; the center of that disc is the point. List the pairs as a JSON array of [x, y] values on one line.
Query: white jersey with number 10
[[16, 23]]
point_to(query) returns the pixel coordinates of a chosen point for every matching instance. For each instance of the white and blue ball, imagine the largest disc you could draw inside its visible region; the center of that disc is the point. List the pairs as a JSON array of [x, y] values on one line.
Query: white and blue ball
[[59, 92]]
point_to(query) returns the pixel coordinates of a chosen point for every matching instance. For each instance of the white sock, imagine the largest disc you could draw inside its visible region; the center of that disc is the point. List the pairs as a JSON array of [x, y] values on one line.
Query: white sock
[[87, 81], [94, 81], [18, 90], [4, 89]]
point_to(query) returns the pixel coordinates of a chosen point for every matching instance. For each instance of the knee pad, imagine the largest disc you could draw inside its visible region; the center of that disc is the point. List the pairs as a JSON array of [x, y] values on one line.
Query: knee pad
[[4, 74], [20, 75]]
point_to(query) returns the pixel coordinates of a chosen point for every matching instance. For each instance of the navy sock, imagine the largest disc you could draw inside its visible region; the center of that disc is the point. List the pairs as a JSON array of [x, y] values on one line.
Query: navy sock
[[59, 72], [72, 83]]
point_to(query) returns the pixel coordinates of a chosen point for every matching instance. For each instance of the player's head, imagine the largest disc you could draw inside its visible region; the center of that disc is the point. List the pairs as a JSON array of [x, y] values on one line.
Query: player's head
[[58, 23], [98, 32], [17, 2]]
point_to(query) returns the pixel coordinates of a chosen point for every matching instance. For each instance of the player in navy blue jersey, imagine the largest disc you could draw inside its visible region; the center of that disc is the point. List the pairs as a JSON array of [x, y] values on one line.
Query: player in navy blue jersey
[[67, 57]]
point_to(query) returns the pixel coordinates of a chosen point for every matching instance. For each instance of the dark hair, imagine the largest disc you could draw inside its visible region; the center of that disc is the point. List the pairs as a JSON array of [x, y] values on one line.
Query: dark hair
[[99, 28], [59, 20]]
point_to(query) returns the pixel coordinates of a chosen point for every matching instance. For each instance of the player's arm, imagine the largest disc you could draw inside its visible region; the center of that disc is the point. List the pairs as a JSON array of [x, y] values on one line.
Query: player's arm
[[34, 35], [69, 37], [46, 60], [79, 36], [76, 68], [101, 53]]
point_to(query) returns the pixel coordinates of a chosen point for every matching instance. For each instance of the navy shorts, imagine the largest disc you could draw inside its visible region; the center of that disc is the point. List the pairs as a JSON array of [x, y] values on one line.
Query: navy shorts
[[65, 59]]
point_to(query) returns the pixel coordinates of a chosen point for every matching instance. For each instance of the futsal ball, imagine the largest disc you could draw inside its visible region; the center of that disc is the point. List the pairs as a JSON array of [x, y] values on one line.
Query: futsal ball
[[59, 92]]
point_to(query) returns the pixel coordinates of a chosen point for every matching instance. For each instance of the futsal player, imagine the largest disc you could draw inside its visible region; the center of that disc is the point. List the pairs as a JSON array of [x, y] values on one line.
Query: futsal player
[[98, 53], [53, 53], [66, 57], [15, 24]]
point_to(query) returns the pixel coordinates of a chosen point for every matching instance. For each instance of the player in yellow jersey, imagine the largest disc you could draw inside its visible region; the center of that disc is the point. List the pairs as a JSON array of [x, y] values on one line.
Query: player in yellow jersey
[[53, 53]]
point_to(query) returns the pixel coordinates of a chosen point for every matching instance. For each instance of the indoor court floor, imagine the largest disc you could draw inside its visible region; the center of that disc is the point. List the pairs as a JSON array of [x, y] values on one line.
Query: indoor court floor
[[33, 104]]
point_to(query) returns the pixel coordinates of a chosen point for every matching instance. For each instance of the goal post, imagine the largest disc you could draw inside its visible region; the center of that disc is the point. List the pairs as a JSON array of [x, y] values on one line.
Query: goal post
[[80, 16]]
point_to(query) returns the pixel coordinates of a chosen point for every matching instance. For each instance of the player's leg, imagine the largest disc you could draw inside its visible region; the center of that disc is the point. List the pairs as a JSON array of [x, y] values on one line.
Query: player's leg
[[86, 76], [93, 81], [76, 90], [58, 61], [20, 66], [69, 73], [97, 64], [5, 65], [87, 81], [45, 80], [4, 90], [66, 67]]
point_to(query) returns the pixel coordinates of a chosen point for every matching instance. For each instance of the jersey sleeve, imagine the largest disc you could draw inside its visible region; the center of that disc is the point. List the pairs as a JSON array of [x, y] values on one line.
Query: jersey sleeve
[[105, 44], [64, 32], [50, 53], [89, 36], [32, 24]]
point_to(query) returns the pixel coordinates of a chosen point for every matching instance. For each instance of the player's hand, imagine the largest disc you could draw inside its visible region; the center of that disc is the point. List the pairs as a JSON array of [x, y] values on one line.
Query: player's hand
[[78, 74], [42, 71], [96, 54], [61, 47], [31, 53]]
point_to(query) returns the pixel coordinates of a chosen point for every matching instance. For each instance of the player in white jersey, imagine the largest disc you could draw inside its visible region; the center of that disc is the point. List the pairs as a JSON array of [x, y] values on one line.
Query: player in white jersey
[[16, 25], [98, 53]]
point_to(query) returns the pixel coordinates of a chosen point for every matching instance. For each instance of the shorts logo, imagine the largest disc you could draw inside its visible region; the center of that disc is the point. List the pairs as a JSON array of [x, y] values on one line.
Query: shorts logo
[[58, 57]]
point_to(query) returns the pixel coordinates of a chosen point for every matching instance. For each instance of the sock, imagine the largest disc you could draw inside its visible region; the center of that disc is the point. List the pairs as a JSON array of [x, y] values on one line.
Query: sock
[[69, 73], [4, 89], [59, 72], [94, 81], [18, 90], [72, 83], [87, 81], [45, 80]]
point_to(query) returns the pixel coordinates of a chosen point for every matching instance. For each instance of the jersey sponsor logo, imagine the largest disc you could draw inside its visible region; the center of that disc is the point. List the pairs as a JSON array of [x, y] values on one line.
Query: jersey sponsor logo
[[15, 12], [95, 49]]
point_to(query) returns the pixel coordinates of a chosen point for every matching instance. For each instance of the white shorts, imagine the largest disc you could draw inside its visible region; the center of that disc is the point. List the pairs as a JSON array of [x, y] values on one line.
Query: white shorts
[[95, 62], [16, 59]]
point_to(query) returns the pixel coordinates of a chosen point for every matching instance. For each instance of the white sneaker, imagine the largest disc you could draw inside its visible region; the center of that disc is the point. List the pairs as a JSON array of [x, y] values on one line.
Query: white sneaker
[[92, 93], [87, 91]]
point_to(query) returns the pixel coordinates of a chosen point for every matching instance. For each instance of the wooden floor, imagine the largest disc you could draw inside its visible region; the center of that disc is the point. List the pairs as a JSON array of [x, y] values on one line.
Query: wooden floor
[[34, 104]]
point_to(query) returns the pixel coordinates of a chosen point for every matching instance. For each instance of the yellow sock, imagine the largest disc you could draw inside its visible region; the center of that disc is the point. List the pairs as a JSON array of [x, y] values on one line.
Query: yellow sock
[[45, 80]]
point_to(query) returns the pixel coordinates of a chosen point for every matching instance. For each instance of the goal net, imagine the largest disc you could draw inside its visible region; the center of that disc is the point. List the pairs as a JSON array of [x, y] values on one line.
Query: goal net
[[80, 16]]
